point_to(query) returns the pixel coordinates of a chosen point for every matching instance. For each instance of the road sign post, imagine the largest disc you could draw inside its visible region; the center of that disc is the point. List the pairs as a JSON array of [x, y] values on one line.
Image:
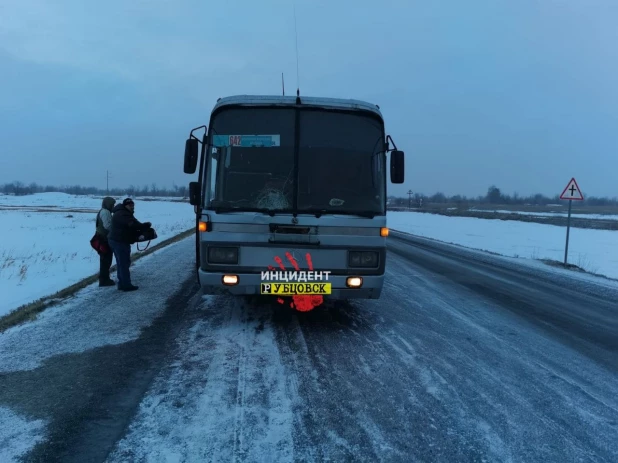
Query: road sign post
[[570, 193], [566, 247]]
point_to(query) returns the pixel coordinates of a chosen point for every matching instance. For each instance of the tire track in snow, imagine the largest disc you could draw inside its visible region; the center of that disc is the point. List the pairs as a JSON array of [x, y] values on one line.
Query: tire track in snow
[[241, 392], [224, 398], [333, 414]]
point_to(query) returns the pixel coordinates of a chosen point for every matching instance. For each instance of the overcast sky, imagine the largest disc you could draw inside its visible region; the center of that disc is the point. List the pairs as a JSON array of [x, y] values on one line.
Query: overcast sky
[[518, 93]]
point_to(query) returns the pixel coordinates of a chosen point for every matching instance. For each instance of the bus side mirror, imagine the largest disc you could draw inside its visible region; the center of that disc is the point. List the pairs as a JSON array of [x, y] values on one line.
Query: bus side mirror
[[191, 155], [397, 166], [195, 194]]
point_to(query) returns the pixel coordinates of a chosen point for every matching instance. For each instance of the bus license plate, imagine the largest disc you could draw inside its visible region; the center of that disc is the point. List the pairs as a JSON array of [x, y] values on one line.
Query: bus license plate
[[294, 289]]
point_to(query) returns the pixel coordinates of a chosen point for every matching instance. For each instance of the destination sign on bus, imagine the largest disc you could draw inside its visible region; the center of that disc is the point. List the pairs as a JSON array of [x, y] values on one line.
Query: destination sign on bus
[[247, 141]]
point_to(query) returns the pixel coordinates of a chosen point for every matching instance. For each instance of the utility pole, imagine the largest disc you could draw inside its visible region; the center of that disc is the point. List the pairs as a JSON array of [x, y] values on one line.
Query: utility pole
[[409, 199], [107, 177]]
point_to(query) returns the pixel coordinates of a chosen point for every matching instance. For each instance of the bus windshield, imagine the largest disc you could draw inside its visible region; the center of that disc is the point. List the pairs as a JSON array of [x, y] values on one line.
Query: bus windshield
[[252, 165]]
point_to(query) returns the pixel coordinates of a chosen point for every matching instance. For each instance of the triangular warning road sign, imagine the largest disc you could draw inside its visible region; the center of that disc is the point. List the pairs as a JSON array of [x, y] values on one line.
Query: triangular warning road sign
[[572, 191]]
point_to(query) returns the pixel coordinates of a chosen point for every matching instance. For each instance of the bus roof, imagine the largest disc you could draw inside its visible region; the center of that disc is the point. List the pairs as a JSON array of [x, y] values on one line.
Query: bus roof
[[280, 100]]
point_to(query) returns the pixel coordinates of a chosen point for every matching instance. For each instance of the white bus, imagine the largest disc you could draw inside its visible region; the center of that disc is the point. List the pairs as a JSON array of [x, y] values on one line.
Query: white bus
[[291, 196]]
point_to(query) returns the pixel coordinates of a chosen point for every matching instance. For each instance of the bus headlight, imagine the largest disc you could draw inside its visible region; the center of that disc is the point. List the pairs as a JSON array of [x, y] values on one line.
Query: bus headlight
[[222, 255], [367, 259], [354, 282]]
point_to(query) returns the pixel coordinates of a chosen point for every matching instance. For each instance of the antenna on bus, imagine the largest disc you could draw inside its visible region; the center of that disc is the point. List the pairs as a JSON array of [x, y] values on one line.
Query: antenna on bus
[[282, 84], [297, 67]]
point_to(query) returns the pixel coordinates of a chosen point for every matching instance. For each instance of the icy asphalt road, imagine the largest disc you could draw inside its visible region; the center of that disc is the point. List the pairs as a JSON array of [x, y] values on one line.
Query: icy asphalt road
[[467, 357]]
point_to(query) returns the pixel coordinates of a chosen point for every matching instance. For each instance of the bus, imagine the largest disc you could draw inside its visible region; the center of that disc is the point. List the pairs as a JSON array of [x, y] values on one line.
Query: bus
[[291, 196]]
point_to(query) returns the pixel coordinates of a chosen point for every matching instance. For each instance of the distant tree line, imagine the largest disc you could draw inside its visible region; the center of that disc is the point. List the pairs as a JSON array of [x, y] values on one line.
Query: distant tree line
[[493, 197], [20, 189]]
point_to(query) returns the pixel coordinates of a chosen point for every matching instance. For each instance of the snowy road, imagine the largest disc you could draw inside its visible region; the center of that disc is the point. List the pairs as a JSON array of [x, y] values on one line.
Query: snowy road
[[467, 357]]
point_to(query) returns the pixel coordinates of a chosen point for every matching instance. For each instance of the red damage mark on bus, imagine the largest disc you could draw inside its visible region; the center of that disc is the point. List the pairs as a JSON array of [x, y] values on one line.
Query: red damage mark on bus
[[304, 302]]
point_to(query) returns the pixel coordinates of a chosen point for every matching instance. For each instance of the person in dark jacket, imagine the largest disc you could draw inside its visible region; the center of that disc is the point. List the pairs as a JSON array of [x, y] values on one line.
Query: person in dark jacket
[[125, 230], [103, 227]]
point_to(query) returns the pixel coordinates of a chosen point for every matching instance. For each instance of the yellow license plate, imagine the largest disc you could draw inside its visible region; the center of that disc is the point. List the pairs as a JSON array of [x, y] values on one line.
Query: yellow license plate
[[294, 289]]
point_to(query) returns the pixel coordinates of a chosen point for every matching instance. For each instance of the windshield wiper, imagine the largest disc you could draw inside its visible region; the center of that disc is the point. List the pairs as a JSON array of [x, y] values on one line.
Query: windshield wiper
[[368, 214], [220, 209], [320, 212]]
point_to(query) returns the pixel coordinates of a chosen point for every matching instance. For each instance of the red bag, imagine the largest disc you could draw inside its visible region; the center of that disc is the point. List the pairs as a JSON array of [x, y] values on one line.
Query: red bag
[[99, 245]]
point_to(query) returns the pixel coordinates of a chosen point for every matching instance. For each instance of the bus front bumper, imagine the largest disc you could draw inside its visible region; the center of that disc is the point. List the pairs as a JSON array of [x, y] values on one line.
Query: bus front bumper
[[250, 284]]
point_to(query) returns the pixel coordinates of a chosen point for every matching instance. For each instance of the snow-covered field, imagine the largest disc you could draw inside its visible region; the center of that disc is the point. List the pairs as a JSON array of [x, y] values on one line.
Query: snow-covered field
[[595, 251], [44, 240], [553, 214]]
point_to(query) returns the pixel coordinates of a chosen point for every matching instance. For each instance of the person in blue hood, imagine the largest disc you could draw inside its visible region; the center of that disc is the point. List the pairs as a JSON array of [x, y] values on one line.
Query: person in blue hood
[[125, 230]]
